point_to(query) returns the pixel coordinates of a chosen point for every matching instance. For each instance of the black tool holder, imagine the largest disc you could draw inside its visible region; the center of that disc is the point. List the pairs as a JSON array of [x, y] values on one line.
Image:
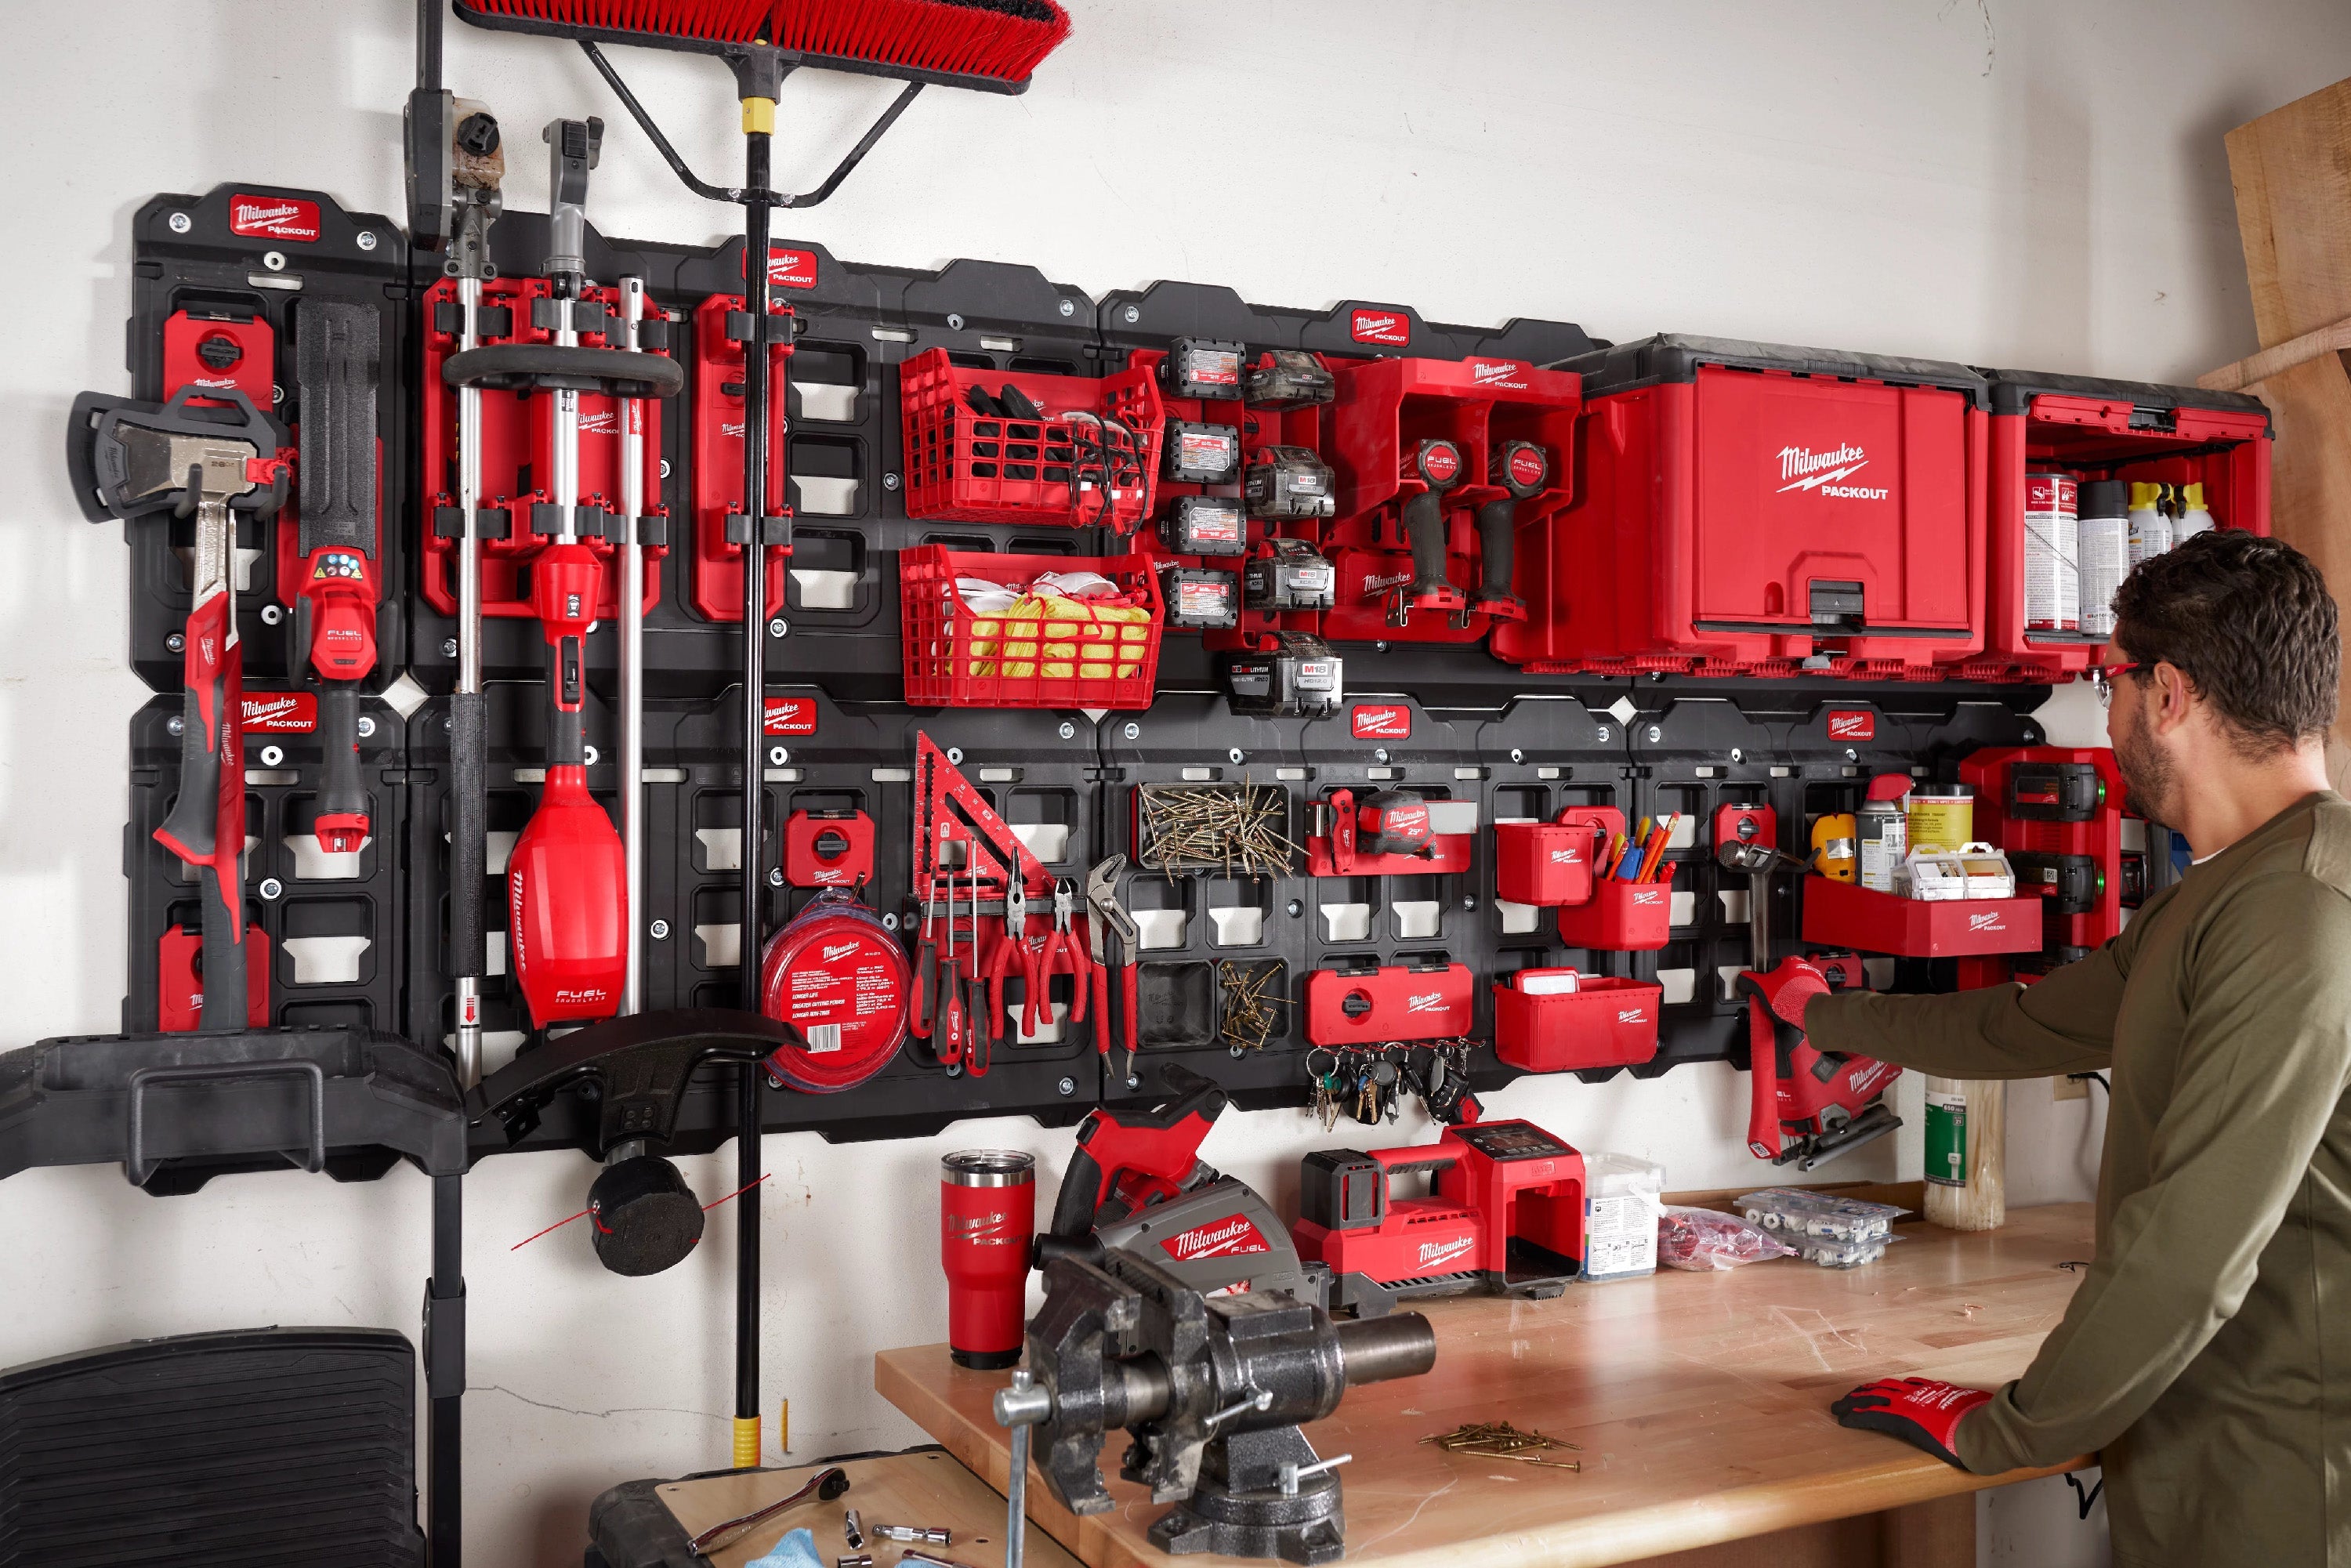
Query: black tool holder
[[1212, 1391], [175, 1110]]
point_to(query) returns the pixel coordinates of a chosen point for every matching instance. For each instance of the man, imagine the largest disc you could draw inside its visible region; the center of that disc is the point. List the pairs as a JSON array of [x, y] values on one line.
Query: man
[[2207, 1354]]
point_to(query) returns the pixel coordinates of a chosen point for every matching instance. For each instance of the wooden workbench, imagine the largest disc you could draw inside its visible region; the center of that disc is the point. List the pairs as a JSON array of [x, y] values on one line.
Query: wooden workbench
[[1700, 1402]]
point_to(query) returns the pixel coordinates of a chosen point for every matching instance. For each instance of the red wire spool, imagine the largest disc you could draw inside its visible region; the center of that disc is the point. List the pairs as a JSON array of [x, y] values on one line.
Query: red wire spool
[[839, 978]]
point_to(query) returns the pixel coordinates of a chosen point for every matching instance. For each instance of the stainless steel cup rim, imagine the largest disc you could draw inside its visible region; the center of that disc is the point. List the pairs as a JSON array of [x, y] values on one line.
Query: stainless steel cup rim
[[989, 1168]]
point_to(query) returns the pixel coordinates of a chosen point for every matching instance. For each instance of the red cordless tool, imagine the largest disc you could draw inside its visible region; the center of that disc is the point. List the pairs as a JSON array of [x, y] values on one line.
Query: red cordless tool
[[134, 459], [336, 354], [1522, 470], [1435, 466], [1504, 1215]]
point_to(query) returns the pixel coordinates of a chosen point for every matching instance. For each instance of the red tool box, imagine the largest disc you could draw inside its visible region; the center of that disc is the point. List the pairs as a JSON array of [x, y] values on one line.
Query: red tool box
[[1094, 470], [1087, 657], [2094, 429], [1749, 508], [1608, 1021], [1415, 439], [1505, 1213]]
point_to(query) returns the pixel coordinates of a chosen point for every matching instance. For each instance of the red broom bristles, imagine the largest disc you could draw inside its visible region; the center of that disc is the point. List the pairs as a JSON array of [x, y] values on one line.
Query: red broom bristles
[[722, 21], [1004, 39]]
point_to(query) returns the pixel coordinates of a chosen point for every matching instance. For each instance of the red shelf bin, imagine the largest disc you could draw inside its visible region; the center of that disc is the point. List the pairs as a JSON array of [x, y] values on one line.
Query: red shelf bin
[[963, 466], [1544, 863], [2130, 431], [1608, 1021], [1743, 508], [1621, 917], [1384, 410], [954, 658], [1846, 914]]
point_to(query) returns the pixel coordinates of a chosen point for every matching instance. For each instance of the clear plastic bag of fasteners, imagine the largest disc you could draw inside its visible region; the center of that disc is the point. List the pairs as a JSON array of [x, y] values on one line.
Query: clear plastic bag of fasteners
[[1704, 1239]]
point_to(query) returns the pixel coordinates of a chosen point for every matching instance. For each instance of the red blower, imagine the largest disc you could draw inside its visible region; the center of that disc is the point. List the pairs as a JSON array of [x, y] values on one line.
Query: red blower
[[567, 878], [987, 1217]]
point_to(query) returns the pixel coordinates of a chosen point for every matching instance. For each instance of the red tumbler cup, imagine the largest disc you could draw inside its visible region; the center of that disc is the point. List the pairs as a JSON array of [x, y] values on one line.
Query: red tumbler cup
[[987, 1217]]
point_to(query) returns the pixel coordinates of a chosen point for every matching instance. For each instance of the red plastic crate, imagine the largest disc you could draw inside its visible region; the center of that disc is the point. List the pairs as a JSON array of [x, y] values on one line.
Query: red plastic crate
[[2104, 430], [1608, 1021], [1621, 917], [1725, 489], [1847, 914], [970, 467], [1544, 863], [954, 658]]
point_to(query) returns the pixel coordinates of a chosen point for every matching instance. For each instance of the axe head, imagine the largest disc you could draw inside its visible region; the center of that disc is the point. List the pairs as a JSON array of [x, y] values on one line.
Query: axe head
[[157, 462]]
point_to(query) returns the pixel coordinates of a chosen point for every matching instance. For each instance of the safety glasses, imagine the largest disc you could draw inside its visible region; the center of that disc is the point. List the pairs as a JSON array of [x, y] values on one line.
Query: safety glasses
[[2104, 677]]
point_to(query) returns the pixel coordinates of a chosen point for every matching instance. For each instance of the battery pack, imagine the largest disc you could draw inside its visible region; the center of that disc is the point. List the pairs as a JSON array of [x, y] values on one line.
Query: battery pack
[[1290, 483], [2069, 884], [1205, 525], [1287, 378], [2055, 792], [1202, 368], [1201, 599], [1294, 577], [1299, 676], [1203, 454]]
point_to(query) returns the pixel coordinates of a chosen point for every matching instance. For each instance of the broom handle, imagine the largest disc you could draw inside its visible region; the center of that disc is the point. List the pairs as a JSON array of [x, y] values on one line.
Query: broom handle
[[758, 118]]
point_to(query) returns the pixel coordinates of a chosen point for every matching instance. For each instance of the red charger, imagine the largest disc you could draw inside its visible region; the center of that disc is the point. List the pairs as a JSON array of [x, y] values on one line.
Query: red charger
[[988, 1222]]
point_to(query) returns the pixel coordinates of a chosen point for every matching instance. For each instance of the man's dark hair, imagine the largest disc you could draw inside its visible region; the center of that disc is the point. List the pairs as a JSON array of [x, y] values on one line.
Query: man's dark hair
[[2249, 621]]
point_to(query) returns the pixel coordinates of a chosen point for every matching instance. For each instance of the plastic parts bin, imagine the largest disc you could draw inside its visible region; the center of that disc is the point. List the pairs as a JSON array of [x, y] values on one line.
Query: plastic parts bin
[[1544, 863], [1089, 656], [974, 467], [1608, 1021], [2129, 431], [1753, 509], [1846, 914]]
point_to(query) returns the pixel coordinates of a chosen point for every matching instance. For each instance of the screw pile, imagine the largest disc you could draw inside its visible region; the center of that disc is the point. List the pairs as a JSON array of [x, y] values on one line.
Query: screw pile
[[1247, 1020], [1232, 828], [1501, 1440]]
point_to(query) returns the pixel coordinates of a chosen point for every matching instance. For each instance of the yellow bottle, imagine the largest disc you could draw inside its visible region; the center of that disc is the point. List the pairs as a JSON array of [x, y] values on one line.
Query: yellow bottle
[[1834, 845], [2193, 519], [2150, 530]]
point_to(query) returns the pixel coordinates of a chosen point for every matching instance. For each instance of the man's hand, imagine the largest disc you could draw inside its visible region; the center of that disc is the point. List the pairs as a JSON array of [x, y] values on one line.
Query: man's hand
[[1923, 1413]]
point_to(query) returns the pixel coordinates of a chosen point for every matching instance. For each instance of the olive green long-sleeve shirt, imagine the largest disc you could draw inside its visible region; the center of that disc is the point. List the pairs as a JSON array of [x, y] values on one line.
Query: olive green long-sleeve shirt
[[2206, 1353]]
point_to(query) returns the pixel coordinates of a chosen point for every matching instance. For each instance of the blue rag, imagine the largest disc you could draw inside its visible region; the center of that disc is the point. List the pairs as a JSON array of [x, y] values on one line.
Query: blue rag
[[796, 1549]]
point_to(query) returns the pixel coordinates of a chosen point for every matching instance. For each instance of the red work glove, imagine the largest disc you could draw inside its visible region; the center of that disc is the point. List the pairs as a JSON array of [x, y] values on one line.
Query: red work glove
[[1920, 1411]]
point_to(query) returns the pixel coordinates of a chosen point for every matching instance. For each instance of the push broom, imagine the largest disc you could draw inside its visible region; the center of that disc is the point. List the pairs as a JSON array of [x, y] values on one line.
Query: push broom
[[989, 46]]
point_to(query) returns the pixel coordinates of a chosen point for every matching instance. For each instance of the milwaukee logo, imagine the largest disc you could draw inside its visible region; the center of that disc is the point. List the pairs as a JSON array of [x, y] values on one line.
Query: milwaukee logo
[[601, 423], [1385, 723], [1649, 896], [274, 217], [1434, 1253], [983, 1229], [1234, 1238], [791, 715], [1427, 1002], [1853, 724], [1374, 584], [217, 381], [1380, 327], [790, 268], [1986, 921], [732, 431], [1509, 373], [1563, 857], [1631, 1015], [1805, 469], [1866, 1082], [837, 952], [294, 713]]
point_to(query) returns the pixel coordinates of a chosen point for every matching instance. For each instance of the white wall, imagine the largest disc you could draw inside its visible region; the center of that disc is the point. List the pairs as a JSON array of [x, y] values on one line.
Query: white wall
[[1998, 183]]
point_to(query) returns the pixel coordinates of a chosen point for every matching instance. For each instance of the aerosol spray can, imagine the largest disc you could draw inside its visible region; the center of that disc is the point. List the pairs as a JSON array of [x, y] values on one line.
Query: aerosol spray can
[[2102, 537], [2053, 587], [2193, 517], [1883, 832], [2150, 527]]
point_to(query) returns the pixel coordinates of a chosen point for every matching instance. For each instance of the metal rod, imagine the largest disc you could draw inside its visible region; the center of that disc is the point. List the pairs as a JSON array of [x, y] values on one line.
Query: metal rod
[[469, 810], [755, 150], [428, 45], [632, 655]]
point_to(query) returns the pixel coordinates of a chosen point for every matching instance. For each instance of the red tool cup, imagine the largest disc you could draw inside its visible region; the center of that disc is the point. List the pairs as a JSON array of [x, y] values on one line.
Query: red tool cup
[[987, 1218]]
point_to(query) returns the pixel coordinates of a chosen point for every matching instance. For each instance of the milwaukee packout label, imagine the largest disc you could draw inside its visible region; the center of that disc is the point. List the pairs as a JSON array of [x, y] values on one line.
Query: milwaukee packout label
[[788, 268], [1380, 721], [1232, 1237], [1802, 468], [988, 1229], [1632, 1015], [791, 715], [1852, 723], [279, 712], [1986, 921], [600, 422], [274, 217], [1505, 373], [1392, 327]]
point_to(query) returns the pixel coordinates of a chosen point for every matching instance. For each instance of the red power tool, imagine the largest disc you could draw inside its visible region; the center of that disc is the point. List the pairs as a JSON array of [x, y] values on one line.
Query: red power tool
[[1504, 1215]]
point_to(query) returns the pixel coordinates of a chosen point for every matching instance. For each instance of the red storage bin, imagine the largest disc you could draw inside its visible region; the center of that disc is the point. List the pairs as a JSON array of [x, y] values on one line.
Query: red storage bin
[[1621, 917], [2129, 431], [1607, 1020], [1543, 864], [980, 468], [954, 658], [1847, 914], [1744, 507]]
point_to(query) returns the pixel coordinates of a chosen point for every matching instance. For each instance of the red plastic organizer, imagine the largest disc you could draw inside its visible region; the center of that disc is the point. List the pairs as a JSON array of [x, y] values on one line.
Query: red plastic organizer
[[954, 658], [1544, 863], [1608, 1021], [1847, 914], [964, 466], [718, 421], [1621, 917]]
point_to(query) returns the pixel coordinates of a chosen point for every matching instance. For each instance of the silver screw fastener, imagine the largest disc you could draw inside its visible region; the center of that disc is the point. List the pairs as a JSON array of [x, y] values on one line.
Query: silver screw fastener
[[777, 756], [367, 239], [954, 322], [1656, 733], [1517, 754], [273, 756], [271, 888], [1234, 754], [175, 724], [275, 260], [889, 481], [1068, 1086], [1133, 731], [1069, 307], [271, 615], [1379, 754], [179, 222], [955, 754], [658, 931], [778, 627], [775, 876], [448, 647], [366, 727], [1133, 315], [176, 643], [1738, 754], [1068, 731]]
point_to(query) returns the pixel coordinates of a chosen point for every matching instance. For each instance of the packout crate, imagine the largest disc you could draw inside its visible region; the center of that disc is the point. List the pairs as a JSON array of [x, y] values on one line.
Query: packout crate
[[1750, 508], [2131, 432]]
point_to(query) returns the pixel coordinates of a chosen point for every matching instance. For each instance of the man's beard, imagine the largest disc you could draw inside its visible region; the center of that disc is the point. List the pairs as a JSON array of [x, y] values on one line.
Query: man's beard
[[2149, 776]]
